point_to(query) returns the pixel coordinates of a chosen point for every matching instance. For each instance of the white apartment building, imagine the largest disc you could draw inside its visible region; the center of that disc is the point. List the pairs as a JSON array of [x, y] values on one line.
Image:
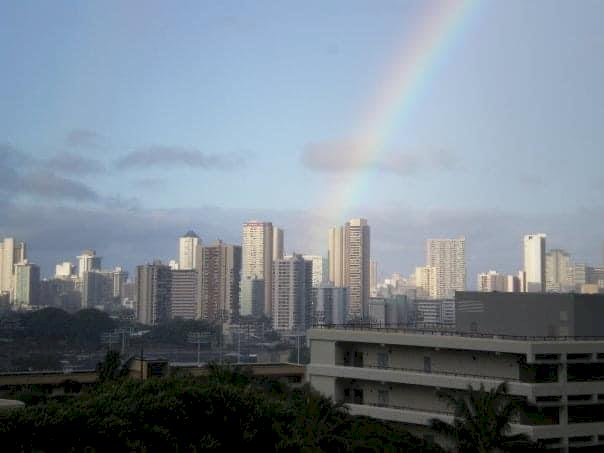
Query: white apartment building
[[188, 251], [448, 256], [395, 374], [425, 282], [491, 281], [257, 269], [534, 263], [349, 251], [292, 294], [319, 269], [557, 271], [11, 253], [88, 261]]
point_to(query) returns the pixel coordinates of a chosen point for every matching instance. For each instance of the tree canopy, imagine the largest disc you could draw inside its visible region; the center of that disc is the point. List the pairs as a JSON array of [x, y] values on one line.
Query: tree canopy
[[225, 411]]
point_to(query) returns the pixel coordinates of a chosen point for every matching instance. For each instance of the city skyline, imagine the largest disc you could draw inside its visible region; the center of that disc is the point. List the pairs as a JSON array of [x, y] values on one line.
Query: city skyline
[[244, 116]]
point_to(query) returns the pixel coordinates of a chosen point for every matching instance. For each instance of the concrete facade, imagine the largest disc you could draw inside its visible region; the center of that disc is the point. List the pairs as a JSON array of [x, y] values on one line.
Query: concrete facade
[[394, 374]]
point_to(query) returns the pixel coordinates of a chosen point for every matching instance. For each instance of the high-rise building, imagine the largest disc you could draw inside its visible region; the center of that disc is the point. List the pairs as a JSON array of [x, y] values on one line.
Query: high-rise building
[[448, 256], [120, 278], [257, 267], [319, 269], [220, 279], [330, 304], [184, 293], [187, 251], [27, 285], [88, 261], [373, 277], [97, 288], [491, 281], [557, 271], [64, 270], [349, 249], [277, 244], [534, 262], [292, 294], [512, 284], [11, 253], [425, 282], [153, 283]]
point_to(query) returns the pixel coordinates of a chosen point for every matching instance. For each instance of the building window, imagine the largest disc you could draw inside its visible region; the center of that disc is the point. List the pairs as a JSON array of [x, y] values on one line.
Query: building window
[[383, 397], [358, 396], [427, 365], [358, 359], [382, 360]]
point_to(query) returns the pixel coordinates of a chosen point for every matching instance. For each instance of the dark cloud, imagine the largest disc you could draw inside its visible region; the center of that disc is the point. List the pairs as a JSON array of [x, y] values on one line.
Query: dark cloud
[[74, 164], [155, 156], [47, 185], [83, 138], [355, 155], [22, 175]]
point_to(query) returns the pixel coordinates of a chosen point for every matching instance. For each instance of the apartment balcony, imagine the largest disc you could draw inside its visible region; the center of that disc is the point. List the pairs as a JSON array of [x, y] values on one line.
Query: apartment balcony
[[418, 377]]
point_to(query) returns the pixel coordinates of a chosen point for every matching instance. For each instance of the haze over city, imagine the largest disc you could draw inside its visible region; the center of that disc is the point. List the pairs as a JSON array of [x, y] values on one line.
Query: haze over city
[[123, 125]]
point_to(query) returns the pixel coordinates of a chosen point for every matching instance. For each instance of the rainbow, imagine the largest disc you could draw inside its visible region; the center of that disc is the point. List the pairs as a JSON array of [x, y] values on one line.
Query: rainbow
[[439, 26]]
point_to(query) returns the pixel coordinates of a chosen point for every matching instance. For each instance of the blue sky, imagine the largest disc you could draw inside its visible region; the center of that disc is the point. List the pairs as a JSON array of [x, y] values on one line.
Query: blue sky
[[151, 118]]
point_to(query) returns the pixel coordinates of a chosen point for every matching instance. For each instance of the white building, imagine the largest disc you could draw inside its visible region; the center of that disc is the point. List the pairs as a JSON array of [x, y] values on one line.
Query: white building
[[448, 256], [64, 270], [187, 251], [534, 263], [319, 269], [349, 251], [330, 304], [88, 261], [491, 281], [426, 282], [257, 269], [27, 285], [184, 294], [292, 294], [557, 271], [11, 253], [373, 278]]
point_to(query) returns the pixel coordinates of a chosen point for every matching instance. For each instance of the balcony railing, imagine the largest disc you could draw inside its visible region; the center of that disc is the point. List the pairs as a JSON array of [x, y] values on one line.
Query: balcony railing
[[435, 372], [444, 331]]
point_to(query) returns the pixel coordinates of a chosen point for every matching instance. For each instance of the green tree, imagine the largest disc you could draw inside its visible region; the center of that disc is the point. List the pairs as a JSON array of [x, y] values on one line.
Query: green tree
[[110, 368], [482, 422]]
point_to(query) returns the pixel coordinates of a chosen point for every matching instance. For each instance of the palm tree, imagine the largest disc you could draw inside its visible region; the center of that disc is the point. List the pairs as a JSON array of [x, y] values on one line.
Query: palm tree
[[482, 421]]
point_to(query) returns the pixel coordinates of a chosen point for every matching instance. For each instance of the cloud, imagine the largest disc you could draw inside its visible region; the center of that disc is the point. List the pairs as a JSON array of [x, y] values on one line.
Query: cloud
[[156, 156], [83, 138], [74, 164], [354, 155], [134, 236], [48, 185], [149, 183], [22, 175]]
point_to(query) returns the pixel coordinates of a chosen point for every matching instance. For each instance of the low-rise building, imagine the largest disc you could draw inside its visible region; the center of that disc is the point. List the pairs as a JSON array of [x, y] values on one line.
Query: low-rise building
[[396, 373]]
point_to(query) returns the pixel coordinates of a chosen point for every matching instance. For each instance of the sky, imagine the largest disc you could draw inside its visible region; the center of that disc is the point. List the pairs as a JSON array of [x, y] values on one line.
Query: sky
[[123, 124]]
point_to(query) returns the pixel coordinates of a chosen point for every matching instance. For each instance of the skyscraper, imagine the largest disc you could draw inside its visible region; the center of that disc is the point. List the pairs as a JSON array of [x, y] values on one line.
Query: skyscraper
[[349, 249], [277, 244], [11, 253], [319, 269], [187, 251], [534, 262], [292, 294], [557, 271], [153, 293], [491, 281], [220, 278], [448, 256], [27, 285], [373, 277], [425, 282], [184, 294], [257, 269], [64, 270], [88, 261]]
